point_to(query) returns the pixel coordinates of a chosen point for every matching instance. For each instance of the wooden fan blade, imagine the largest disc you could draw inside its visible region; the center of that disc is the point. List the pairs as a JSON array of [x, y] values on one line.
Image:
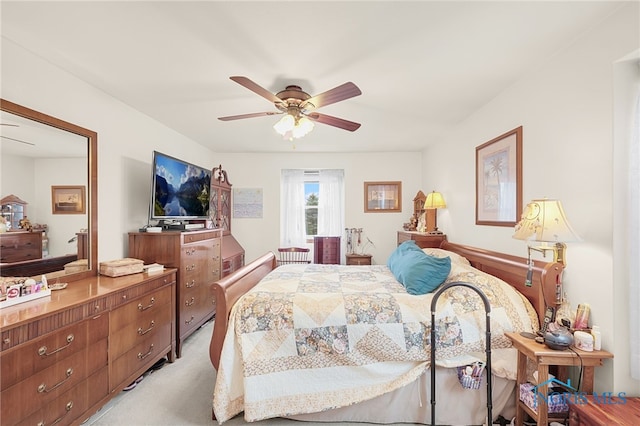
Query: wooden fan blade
[[244, 81], [252, 115], [334, 121], [337, 94]]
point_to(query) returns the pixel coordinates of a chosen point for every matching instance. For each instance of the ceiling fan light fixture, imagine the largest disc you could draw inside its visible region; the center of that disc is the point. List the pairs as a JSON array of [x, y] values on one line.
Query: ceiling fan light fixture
[[291, 127], [285, 124]]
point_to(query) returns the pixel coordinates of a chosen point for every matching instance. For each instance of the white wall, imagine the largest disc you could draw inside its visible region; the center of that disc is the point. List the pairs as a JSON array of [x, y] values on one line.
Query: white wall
[[566, 110], [258, 236], [126, 139]]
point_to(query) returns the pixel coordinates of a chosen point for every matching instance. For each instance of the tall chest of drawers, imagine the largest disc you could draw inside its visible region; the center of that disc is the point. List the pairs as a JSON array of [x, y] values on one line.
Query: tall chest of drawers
[[197, 256], [62, 356], [326, 250]]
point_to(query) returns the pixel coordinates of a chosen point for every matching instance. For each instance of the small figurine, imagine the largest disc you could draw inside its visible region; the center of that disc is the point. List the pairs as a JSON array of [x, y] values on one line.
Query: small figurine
[[25, 224]]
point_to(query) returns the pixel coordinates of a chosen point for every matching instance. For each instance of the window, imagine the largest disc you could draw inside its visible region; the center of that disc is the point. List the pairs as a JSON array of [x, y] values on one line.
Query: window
[[311, 203], [311, 194]]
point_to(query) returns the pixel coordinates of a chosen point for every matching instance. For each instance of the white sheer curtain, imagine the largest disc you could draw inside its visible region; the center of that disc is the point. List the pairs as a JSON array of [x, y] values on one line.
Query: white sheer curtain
[[292, 214], [331, 203], [634, 240]]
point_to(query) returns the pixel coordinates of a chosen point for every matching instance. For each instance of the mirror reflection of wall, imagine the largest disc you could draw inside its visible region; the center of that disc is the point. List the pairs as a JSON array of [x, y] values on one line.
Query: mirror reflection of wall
[[34, 158]]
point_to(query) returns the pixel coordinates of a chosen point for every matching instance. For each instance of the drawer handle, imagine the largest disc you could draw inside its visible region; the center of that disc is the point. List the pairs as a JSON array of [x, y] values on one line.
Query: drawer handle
[[190, 321], [143, 356], [68, 408], [189, 302], [191, 284], [191, 267], [142, 332], [150, 305], [191, 251], [43, 349], [43, 388]]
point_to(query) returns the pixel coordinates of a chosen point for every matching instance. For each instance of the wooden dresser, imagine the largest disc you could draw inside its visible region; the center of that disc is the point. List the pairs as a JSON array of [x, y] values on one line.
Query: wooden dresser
[[197, 255], [62, 357], [422, 239], [20, 246], [326, 250]]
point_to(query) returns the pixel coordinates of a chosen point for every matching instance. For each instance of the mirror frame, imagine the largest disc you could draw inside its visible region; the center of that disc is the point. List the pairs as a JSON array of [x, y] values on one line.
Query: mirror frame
[[92, 174]]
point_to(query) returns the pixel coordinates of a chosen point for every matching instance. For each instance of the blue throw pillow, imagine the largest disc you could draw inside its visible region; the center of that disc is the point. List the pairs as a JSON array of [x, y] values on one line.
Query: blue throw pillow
[[417, 271]]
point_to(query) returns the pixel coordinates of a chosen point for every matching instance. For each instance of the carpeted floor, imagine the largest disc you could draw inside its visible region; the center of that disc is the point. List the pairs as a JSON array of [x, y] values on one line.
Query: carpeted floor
[[178, 394]]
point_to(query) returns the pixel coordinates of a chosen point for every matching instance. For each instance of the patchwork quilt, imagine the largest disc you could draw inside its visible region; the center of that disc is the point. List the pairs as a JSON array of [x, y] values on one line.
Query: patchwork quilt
[[312, 337]]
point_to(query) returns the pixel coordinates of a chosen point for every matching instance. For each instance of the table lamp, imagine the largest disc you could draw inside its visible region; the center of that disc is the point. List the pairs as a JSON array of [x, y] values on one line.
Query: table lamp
[[433, 202]]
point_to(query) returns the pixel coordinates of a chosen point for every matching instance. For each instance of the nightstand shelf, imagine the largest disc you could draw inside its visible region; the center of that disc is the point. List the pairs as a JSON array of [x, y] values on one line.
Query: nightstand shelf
[[543, 357], [358, 259]]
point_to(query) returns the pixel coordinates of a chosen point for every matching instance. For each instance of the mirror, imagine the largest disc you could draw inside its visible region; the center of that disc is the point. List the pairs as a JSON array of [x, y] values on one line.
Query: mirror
[[61, 194]]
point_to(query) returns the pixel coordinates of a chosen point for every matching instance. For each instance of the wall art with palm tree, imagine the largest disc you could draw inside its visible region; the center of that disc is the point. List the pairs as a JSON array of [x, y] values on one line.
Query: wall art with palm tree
[[499, 180]]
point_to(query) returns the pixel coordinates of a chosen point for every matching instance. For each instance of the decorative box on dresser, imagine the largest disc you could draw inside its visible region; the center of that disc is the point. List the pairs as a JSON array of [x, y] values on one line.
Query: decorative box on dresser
[[326, 250], [422, 239], [65, 355], [196, 254]]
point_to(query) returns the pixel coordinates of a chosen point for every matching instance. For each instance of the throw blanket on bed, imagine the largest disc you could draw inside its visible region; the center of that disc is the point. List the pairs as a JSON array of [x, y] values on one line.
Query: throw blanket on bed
[[312, 337]]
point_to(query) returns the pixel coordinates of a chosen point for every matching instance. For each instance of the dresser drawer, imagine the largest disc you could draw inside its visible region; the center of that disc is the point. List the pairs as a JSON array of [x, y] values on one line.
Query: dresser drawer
[[200, 236], [140, 356], [20, 246], [134, 292], [197, 305], [358, 259], [139, 326], [45, 386], [140, 308], [61, 411], [26, 360]]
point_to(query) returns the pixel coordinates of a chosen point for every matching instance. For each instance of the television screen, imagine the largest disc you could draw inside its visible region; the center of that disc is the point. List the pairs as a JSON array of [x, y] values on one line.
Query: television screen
[[180, 189]]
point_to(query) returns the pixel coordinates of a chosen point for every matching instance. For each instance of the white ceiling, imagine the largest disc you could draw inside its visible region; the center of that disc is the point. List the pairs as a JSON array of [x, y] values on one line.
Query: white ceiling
[[422, 66]]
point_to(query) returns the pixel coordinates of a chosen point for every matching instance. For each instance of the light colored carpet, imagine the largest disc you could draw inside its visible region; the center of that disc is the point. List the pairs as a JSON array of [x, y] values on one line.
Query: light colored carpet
[[178, 394]]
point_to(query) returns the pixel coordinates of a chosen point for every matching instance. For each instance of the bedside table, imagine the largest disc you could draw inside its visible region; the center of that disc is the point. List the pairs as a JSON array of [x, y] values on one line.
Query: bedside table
[[543, 357], [358, 259], [613, 411]]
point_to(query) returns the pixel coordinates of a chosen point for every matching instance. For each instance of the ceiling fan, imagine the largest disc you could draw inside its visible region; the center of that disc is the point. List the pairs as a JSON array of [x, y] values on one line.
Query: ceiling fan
[[299, 107], [14, 139]]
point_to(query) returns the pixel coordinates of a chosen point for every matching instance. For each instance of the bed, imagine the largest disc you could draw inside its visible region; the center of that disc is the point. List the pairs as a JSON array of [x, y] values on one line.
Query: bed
[[348, 343]]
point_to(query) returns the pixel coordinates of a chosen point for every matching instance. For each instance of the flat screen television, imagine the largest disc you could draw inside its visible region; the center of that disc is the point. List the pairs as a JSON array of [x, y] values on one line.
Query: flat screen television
[[180, 190]]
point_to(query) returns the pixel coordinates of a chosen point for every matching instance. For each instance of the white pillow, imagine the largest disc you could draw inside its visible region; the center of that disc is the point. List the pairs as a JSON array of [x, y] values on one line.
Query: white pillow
[[455, 257]]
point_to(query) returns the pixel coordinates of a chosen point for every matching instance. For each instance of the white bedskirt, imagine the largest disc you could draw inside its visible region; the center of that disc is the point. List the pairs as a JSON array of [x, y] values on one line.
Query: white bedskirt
[[412, 403]]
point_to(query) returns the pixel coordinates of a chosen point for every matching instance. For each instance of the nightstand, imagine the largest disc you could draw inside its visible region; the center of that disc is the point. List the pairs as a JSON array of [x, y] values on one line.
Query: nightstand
[[605, 411], [422, 239], [358, 259], [543, 357]]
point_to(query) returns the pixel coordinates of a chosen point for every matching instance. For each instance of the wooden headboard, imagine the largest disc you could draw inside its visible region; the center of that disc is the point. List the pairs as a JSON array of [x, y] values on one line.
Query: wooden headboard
[[546, 277], [511, 269]]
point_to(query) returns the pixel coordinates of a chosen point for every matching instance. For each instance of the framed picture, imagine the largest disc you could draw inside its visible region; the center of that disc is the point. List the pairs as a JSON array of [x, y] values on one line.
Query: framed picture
[[68, 200], [382, 197], [499, 180]]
